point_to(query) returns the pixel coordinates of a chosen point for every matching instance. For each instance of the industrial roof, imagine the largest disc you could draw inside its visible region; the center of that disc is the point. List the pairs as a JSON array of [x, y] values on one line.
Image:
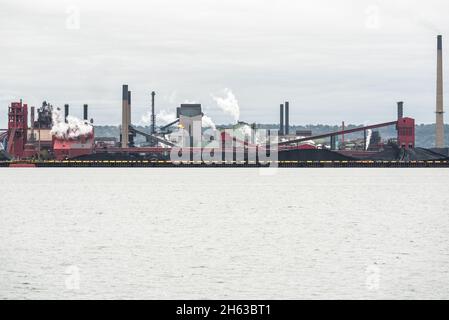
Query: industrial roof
[[189, 110]]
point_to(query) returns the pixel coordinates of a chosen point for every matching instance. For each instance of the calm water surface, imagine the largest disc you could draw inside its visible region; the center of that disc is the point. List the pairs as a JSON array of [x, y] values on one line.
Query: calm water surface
[[224, 233]]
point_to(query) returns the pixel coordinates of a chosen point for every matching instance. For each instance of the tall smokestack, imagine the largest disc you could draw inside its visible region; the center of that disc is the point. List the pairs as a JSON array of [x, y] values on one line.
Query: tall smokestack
[[287, 116], [66, 112], [125, 134], [281, 120], [129, 108], [85, 112], [32, 118], [439, 134], [400, 110], [153, 116]]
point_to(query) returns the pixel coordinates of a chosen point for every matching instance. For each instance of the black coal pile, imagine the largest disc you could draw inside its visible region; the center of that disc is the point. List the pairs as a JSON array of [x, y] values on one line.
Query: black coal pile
[[393, 153], [312, 155]]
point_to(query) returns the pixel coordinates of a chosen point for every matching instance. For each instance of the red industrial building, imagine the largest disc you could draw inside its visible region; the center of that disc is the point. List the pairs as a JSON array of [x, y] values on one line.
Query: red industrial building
[[69, 149], [406, 133], [21, 142], [17, 129], [19, 146]]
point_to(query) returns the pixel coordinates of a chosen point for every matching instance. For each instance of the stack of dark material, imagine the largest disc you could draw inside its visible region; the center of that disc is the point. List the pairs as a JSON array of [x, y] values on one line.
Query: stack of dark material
[[110, 157], [312, 155], [443, 151], [393, 153], [422, 154], [3, 156]]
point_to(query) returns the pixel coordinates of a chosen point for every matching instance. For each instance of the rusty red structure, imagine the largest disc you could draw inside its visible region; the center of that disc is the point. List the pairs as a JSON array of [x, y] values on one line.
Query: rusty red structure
[[69, 149], [62, 147], [406, 133], [17, 129]]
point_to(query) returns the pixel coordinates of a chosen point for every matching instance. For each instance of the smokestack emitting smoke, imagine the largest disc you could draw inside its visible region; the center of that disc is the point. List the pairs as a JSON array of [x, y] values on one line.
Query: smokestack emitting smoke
[[125, 133], [85, 112], [400, 110], [439, 134], [153, 115], [287, 116], [66, 112], [281, 120]]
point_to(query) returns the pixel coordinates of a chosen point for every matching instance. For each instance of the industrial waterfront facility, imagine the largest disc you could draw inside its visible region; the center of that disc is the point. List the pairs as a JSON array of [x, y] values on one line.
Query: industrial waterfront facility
[[50, 135]]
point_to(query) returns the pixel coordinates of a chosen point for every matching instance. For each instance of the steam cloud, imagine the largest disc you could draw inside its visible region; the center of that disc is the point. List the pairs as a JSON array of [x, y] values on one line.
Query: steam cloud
[[228, 104], [72, 130], [162, 117], [208, 123], [368, 138], [245, 131]]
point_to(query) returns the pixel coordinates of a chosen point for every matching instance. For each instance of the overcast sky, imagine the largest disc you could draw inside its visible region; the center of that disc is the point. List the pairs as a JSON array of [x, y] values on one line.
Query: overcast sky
[[333, 60]]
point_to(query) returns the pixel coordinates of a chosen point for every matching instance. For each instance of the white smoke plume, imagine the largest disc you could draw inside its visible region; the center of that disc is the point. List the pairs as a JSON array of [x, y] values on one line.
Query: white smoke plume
[[162, 118], [246, 132], [208, 123], [368, 138], [228, 104], [72, 130], [146, 118]]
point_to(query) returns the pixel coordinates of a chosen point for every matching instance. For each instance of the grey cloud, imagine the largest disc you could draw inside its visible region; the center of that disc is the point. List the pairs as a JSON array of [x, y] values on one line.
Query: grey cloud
[[318, 54]]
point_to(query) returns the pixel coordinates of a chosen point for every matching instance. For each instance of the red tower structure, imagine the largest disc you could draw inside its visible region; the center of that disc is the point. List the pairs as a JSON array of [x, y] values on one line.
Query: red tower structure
[[17, 128], [406, 133]]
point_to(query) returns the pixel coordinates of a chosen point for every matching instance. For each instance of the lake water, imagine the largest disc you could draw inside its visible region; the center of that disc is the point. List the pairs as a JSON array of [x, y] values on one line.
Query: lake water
[[224, 233]]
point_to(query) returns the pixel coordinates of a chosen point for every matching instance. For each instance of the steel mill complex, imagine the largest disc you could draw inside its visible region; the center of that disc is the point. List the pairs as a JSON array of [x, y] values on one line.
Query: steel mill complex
[[50, 136]]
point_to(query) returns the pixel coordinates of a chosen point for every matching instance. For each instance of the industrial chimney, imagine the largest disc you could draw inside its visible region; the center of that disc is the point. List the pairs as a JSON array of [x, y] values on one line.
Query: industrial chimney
[[400, 110], [439, 134], [32, 117], [281, 120], [129, 108], [85, 112], [32, 123], [287, 116], [125, 128], [153, 116], [66, 112]]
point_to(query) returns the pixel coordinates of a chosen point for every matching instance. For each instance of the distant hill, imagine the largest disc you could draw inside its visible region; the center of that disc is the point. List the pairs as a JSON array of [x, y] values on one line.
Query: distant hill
[[425, 133]]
